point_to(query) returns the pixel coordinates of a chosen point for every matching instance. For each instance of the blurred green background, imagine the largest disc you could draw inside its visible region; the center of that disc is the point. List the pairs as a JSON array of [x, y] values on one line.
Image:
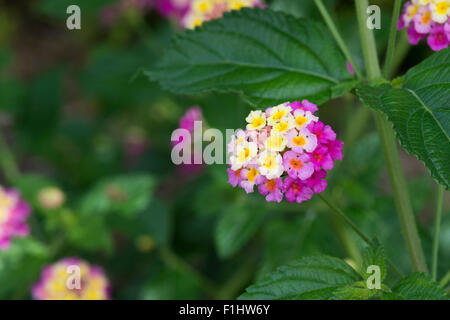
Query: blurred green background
[[78, 114]]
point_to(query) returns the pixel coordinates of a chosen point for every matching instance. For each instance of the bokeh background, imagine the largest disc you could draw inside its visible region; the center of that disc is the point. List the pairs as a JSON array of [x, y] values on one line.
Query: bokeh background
[[77, 113]]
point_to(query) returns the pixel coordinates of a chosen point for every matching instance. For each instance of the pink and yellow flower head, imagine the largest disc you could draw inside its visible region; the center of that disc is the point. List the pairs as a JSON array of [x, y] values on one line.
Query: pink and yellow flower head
[[175, 9], [284, 151], [427, 18], [13, 217], [204, 10], [58, 283]]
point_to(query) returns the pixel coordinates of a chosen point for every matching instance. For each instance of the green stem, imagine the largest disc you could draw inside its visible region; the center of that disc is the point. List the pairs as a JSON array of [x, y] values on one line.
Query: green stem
[[445, 280], [401, 51], [346, 219], [337, 36], [7, 162], [367, 41], [350, 223], [177, 263], [345, 237], [389, 145], [437, 227], [392, 39], [238, 281]]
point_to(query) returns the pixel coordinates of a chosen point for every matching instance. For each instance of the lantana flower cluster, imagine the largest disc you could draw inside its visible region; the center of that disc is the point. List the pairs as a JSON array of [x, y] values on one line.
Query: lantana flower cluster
[[427, 19], [175, 9], [56, 282], [200, 11], [14, 212], [284, 151]]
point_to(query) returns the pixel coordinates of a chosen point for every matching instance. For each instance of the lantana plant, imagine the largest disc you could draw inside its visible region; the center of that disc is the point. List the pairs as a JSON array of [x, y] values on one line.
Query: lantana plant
[[285, 151]]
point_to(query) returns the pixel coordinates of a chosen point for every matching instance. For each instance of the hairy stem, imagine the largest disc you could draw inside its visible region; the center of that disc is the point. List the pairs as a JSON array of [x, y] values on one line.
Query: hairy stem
[[367, 41], [389, 145], [392, 39], [437, 227], [350, 223], [345, 238], [337, 36]]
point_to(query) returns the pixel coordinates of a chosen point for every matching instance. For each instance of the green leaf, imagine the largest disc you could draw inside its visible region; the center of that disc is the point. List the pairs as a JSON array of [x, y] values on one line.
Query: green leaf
[[374, 255], [417, 286], [284, 240], [127, 195], [353, 293], [91, 234], [268, 56], [308, 278], [171, 285], [20, 267], [420, 112], [155, 221], [391, 296], [30, 185], [235, 227]]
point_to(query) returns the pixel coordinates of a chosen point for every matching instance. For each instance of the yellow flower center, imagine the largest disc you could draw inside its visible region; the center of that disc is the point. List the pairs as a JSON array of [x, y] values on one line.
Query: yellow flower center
[[413, 11], [300, 121], [269, 162], [426, 17], [299, 141], [252, 174], [244, 154], [442, 7], [204, 6], [275, 142], [257, 122], [197, 22], [282, 126], [278, 115], [237, 5]]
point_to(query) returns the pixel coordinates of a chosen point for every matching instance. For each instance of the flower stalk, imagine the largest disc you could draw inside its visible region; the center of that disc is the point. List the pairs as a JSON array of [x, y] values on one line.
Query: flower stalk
[[389, 146], [437, 227], [359, 232], [337, 36], [392, 39]]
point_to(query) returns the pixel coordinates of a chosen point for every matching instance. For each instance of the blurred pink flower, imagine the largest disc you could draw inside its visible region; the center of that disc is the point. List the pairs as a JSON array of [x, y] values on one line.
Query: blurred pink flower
[[192, 114], [14, 212], [110, 13], [54, 282]]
